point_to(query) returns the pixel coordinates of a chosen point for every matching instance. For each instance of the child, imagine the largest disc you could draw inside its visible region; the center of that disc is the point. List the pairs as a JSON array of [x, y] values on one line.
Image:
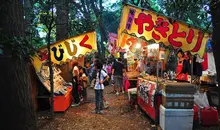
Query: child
[[106, 104], [84, 83], [126, 83], [109, 69]]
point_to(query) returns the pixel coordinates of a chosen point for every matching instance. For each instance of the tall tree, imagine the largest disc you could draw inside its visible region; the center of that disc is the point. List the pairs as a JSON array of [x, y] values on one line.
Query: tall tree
[[98, 10], [91, 9], [62, 11], [17, 110]]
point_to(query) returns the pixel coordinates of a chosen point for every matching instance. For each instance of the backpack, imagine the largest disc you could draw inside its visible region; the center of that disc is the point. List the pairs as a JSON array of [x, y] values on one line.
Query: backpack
[[106, 83], [94, 72]]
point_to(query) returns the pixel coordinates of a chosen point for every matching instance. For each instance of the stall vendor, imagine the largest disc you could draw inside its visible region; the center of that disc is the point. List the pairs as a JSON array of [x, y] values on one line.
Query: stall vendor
[[145, 66], [182, 67], [135, 64]]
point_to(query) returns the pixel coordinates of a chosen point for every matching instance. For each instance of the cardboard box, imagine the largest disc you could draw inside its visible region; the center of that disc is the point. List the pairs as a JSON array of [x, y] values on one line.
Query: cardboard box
[[179, 88], [175, 102]]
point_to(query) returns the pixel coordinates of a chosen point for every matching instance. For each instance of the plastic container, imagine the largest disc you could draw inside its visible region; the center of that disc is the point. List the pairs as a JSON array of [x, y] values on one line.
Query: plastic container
[[209, 116], [176, 119]]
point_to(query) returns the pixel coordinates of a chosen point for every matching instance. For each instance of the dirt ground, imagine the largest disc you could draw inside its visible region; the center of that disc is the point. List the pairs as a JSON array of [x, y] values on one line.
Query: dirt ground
[[119, 116]]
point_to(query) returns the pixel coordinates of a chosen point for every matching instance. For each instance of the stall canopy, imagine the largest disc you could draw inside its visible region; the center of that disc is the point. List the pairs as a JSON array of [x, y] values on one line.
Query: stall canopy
[[62, 51], [66, 49], [160, 29]]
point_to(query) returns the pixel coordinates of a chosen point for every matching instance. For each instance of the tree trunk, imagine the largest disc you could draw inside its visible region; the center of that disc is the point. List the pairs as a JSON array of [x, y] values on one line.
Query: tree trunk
[[103, 36], [28, 8], [62, 18], [17, 110], [215, 12]]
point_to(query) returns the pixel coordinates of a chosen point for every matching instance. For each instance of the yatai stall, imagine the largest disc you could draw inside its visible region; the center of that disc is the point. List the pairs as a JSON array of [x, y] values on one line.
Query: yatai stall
[[161, 33], [62, 52]]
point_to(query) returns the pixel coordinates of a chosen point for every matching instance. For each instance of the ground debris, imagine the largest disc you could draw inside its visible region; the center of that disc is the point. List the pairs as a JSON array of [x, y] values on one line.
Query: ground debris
[[119, 116]]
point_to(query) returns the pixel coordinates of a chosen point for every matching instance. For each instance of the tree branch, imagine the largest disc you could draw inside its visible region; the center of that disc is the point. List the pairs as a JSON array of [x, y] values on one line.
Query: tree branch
[[96, 11], [78, 6]]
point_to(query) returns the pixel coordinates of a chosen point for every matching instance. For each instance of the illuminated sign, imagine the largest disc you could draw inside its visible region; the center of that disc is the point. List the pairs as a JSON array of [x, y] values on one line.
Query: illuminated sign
[[66, 49], [162, 29]]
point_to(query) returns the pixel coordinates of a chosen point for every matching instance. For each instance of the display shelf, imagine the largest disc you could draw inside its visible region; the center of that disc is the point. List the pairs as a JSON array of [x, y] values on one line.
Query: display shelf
[[58, 80]]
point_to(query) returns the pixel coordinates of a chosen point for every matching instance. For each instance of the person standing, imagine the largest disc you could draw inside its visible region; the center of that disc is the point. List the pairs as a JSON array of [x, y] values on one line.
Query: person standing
[[75, 82], [182, 69], [117, 73], [135, 64], [84, 81], [101, 77]]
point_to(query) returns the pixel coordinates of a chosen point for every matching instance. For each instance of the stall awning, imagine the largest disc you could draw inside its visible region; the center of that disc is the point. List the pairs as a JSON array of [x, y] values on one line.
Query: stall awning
[[161, 29], [66, 49]]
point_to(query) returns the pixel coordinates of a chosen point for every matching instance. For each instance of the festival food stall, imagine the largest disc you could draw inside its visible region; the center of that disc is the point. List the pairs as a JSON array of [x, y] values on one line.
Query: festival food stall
[[161, 34], [61, 52]]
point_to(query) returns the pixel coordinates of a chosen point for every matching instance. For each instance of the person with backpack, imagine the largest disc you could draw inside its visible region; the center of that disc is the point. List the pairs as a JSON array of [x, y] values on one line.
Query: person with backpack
[[101, 77]]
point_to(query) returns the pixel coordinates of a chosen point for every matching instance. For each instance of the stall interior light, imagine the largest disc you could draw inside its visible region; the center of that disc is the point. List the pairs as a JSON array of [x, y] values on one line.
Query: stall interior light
[[138, 45], [153, 46]]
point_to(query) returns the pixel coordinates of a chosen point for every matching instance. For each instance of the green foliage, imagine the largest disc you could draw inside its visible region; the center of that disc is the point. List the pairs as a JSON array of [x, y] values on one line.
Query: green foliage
[[17, 46], [78, 24], [111, 17], [193, 12], [40, 19]]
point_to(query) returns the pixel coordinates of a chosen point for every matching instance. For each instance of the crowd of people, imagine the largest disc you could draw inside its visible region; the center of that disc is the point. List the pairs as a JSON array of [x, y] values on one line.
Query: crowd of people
[[97, 75]]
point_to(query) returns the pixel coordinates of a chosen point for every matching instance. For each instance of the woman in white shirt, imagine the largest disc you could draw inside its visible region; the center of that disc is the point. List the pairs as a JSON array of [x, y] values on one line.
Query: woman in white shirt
[[101, 77]]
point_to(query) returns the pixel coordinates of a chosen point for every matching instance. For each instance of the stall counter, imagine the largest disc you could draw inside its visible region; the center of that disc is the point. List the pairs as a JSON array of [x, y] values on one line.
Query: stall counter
[[147, 97]]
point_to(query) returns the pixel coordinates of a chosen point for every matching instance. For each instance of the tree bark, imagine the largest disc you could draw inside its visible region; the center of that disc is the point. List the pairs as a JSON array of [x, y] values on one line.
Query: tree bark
[[215, 12], [17, 112], [98, 13], [28, 8], [62, 18]]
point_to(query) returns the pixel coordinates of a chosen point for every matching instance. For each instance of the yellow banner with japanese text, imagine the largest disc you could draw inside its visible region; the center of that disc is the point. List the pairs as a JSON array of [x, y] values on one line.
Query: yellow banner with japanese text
[[61, 51], [144, 23]]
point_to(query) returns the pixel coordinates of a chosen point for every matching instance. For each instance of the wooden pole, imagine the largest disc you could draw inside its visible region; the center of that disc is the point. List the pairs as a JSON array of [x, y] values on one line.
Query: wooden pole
[[50, 62]]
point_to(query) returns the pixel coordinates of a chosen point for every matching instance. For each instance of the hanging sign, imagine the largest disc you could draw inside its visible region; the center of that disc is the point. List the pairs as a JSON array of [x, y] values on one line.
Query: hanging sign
[[66, 49], [113, 40], [129, 42], [162, 29]]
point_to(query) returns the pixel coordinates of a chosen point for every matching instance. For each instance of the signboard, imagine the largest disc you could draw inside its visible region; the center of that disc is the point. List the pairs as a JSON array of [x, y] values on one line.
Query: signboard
[[146, 92], [113, 40], [162, 29], [66, 49], [129, 42]]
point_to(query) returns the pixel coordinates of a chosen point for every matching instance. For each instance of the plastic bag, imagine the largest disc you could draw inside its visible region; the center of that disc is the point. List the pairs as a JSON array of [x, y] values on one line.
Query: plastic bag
[[201, 99]]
